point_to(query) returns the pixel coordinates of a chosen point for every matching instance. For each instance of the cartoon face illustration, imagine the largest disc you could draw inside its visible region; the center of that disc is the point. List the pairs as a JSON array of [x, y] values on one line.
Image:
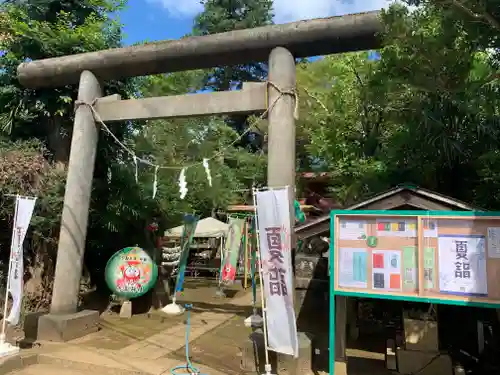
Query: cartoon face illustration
[[130, 276], [132, 273]]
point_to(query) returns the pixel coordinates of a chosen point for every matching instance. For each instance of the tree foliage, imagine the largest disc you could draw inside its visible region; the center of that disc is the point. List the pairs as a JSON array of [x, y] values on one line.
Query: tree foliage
[[42, 119], [227, 15], [36, 132], [424, 111]]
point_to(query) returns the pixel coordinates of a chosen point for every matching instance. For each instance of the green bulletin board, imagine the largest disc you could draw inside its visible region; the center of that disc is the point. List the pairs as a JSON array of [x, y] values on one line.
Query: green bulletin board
[[441, 257]]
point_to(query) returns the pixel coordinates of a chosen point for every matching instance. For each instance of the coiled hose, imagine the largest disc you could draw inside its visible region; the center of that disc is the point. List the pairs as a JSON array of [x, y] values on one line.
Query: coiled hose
[[188, 367]]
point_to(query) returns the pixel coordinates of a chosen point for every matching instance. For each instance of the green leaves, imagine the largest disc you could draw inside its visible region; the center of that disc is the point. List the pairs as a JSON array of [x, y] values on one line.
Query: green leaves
[[226, 15], [426, 112], [184, 142]]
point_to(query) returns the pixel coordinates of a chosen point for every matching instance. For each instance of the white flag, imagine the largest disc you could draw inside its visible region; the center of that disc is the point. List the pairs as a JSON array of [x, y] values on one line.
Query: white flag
[[22, 218], [273, 214]]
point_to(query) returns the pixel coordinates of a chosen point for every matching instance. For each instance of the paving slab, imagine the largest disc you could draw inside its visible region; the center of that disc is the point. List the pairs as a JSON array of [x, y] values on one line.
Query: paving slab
[[41, 369], [141, 345], [220, 348]]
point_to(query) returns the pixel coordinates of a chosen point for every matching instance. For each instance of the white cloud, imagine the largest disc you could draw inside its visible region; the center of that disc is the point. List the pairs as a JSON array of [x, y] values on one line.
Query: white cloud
[[284, 10], [294, 10], [180, 8]]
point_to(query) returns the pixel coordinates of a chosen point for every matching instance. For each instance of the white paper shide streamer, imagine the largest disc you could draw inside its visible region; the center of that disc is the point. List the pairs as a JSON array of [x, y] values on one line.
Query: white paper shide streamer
[[155, 182], [23, 214], [182, 183], [136, 172], [207, 171], [274, 229]]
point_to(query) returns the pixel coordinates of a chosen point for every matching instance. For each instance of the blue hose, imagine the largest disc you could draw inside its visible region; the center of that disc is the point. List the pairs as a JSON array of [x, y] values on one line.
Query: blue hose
[[188, 368]]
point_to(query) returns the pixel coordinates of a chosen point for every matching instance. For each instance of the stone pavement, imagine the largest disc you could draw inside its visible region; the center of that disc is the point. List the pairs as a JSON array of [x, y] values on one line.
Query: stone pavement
[[146, 356]]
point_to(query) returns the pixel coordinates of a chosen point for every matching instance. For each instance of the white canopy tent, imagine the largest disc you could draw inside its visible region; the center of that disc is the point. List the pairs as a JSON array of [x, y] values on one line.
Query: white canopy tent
[[206, 228]]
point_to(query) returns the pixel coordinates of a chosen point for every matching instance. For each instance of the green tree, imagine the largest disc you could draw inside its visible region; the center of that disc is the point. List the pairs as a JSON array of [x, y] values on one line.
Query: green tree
[[227, 15], [443, 99], [33, 31], [343, 125], [481, 19], [426, 112], [186, 142], [42, 29]]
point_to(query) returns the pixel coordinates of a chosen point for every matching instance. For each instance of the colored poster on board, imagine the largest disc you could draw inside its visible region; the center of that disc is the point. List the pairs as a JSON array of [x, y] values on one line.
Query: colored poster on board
[[273, 212], [232, 250], [190, 223], [494, 243], [462, 265], [429, 269], [410, 277], [353, 229], [131, 273], [353, 268], [430, 227], [397, 227], [386, 270]]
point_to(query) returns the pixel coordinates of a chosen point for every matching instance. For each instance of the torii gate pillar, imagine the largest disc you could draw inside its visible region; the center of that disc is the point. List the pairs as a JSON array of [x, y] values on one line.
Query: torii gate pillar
[[64, 321], [281, 132]]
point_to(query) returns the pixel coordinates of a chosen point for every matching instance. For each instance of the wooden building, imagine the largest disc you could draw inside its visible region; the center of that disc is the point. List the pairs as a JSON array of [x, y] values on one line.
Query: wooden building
[[311, 262]]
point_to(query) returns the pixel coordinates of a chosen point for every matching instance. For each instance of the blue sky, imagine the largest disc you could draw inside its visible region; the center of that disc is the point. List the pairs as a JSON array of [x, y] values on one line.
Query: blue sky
[[171, 19]]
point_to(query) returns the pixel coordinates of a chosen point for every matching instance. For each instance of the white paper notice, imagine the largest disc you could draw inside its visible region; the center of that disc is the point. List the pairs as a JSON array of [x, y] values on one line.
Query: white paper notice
[[430, 228], [493, 242], [352, 229], [462, 265], [456, 223], [397, 227], [353, 268], [386, 269]]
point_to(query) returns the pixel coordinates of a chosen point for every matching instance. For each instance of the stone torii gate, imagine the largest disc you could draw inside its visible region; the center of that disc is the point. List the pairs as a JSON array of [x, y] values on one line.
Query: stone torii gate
[[277, 44]]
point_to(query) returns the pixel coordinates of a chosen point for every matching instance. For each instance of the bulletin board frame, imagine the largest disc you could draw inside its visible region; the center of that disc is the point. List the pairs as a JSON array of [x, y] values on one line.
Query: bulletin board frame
[[415, 296]]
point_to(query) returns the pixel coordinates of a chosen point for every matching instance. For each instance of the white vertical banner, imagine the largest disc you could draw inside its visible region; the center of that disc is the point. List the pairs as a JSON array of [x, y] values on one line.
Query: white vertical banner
[[22, 219], [273, 219]]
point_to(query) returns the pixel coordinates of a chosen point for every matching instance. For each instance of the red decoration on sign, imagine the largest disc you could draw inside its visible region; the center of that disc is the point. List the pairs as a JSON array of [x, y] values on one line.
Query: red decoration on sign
[[378, 260], [228, 272]]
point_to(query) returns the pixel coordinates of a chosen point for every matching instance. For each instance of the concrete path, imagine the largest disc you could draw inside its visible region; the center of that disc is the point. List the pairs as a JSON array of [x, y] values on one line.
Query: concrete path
[[144, 357]]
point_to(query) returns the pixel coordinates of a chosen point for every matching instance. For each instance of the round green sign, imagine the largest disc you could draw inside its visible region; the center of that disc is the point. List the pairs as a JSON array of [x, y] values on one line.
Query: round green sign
[[372, 241], [131, 272]]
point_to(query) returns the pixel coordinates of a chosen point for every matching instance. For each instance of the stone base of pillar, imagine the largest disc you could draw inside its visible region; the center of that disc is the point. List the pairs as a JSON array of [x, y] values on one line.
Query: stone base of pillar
[[303, 365], [253, 354], [66, 327], [253, 357]]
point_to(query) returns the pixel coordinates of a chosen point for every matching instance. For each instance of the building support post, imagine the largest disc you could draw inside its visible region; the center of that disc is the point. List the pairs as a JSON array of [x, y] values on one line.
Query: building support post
[[64, 322]]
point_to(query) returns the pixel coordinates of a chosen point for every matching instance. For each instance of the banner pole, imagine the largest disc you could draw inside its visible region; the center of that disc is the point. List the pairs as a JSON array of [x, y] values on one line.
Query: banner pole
[[245, 258], [254, 320], [190, 223], [223, 253], [261, 282]]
